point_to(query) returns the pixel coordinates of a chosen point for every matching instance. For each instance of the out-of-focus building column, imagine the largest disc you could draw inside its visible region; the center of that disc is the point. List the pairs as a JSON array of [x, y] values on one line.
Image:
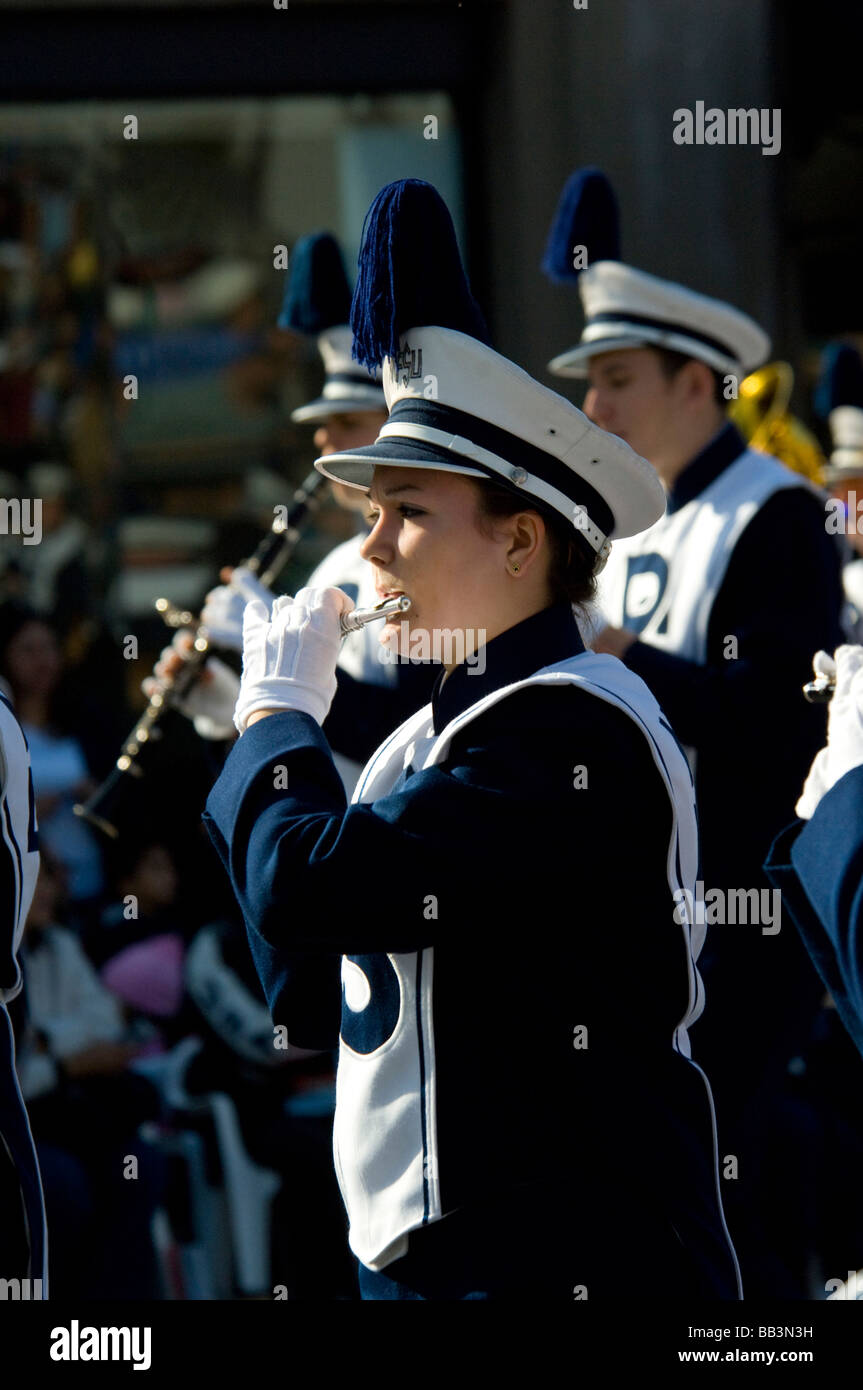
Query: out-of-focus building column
[[600, 85]]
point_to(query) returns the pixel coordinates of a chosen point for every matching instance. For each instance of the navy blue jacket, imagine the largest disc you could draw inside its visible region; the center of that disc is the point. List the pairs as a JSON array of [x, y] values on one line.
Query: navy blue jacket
[[818, 866], [755, 736], [554, 911], [782, 598]]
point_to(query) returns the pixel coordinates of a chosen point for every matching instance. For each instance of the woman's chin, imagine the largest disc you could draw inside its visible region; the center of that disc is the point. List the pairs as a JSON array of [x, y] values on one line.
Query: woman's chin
[[392, 637]]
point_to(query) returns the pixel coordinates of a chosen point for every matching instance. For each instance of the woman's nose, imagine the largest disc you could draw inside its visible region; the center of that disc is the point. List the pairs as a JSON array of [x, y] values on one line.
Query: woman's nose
[[376, 547]]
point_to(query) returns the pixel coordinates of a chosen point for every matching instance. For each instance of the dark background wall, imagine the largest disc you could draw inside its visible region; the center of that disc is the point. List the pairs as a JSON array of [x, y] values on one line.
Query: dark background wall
[[540, 88]]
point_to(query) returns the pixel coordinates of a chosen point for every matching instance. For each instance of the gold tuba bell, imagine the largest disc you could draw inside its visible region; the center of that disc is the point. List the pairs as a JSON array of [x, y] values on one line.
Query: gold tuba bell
[[761, 414]]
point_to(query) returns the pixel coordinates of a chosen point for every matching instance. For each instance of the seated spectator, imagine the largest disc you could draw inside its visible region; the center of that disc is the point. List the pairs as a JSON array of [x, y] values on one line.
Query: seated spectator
[[85, 1106], [139, 944], [57, 571]]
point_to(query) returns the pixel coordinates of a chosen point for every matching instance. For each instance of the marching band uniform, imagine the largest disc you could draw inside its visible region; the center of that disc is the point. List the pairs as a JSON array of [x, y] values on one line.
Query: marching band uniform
[[698, 578], [23, 1243], [817, 862], [728, 595], [480, 1149]]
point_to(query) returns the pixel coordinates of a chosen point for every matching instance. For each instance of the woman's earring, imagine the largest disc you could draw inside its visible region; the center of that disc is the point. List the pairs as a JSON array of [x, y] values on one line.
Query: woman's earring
[[515, 569]]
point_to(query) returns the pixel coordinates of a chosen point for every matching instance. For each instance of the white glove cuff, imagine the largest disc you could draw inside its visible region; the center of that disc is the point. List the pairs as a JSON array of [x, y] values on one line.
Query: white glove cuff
[[281, 693], [211, 729]]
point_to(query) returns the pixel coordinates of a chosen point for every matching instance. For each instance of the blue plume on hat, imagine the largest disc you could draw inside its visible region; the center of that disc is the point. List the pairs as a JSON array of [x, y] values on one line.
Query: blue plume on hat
[[410, 273], [841, 379], [587, 215], [318, 295]]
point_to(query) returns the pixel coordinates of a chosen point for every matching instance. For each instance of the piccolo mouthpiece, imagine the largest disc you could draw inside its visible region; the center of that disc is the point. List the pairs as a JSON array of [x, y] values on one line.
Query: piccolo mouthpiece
[[358, 617]]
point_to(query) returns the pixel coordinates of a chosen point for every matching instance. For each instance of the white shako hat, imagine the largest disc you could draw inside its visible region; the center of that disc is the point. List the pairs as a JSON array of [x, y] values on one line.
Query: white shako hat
[[625, 307], [347, 387], [455, 404], [491, 420], [318, 301], [839, 397]]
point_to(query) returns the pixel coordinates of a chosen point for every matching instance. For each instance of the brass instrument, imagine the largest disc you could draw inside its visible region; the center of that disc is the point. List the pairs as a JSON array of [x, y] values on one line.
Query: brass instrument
[[268, 560], [761, 414]]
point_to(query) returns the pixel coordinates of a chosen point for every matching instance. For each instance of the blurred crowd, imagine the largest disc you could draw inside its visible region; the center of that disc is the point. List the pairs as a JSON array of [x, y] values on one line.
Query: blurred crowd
[[132, 945]]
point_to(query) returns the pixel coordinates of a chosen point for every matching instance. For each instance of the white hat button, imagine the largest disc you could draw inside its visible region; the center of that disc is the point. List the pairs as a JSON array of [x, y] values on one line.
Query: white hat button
[[518, 476]]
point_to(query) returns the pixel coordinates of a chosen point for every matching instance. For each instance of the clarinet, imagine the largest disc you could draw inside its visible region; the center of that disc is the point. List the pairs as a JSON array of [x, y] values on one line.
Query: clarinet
[[270, 557]]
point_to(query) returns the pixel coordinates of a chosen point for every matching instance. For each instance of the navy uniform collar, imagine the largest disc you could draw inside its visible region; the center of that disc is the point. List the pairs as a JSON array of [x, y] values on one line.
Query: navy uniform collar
[[545, 638], [714, 458]]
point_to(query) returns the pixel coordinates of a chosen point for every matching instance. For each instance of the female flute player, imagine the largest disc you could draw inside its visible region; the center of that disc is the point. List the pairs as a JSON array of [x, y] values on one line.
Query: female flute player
[[516, 1112]]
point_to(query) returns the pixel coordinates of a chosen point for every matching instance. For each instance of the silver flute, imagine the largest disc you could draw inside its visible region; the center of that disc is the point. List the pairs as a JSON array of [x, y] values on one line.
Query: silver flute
[[358, 617]]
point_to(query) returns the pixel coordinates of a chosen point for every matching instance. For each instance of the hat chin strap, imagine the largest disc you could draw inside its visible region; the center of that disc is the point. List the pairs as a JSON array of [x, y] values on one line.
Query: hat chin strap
[[532, 485]]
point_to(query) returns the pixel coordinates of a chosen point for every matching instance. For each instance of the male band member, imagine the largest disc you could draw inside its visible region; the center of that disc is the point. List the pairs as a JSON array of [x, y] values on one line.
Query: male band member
[[718, 607], [23, 1241]]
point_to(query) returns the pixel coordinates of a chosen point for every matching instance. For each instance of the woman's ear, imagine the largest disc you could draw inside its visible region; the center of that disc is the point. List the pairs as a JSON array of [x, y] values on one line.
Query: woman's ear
[[527, 531]]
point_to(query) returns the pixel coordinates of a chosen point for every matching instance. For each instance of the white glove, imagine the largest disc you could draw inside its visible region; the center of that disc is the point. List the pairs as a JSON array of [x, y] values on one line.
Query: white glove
[[289, 656], [222, 614], [211, 700], [844, 748]]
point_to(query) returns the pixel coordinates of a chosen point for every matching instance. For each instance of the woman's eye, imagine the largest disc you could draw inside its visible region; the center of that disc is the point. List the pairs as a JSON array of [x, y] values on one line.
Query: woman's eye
[[404, 511]]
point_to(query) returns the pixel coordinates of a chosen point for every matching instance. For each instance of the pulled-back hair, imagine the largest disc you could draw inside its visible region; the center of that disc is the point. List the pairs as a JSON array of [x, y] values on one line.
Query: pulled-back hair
[[571, 560]]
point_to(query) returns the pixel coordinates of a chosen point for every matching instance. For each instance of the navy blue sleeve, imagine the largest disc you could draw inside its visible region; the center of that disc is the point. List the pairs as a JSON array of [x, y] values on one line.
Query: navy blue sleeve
[[818, 866], [781, 599]]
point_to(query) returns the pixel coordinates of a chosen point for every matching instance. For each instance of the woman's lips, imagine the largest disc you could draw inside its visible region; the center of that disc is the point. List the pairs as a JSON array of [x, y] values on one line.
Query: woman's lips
[[388, 594]]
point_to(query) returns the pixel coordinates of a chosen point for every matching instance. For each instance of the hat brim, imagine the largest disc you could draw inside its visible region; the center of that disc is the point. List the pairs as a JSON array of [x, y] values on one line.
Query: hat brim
[[636, 497], [574, 362], [324, 406], [357, 467]]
